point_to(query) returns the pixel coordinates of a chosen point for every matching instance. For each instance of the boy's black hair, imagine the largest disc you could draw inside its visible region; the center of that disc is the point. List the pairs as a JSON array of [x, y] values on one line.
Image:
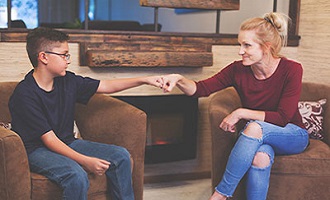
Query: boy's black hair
[[43, 39]]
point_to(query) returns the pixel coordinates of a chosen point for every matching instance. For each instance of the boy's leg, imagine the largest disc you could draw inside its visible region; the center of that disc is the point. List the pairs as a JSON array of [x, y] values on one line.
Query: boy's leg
[[68, 174], [119, 174]]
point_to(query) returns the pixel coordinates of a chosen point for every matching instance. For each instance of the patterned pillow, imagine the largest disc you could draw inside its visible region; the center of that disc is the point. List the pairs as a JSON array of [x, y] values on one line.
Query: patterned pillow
[[5, 125], [76, 132], [312, 117]]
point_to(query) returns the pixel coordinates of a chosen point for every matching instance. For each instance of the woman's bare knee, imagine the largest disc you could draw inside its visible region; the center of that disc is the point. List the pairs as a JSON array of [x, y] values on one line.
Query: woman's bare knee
[[253, 129], [261, 160]]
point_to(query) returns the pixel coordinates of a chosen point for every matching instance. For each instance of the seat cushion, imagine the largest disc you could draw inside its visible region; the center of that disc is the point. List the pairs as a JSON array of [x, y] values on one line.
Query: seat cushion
[[43, 188], [315, 161]]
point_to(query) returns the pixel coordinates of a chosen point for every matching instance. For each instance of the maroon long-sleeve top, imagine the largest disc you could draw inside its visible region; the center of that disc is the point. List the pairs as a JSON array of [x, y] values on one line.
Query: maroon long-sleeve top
[[277, 95]]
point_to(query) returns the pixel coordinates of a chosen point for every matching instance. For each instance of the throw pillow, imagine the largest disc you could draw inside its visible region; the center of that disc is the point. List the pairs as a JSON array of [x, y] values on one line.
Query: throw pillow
[[76, 131], [5, 125], [312, 117]]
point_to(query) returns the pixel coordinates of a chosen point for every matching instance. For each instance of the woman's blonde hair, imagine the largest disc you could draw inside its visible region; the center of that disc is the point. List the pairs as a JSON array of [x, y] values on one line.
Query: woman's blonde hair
[[271, 29]]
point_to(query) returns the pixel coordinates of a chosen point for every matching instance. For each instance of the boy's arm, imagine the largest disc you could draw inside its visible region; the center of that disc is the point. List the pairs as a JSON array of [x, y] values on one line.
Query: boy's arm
[[94, 165], [117, 85]]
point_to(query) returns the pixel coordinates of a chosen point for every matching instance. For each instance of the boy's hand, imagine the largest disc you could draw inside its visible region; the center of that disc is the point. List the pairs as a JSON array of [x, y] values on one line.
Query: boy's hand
[[96, 165], [156, 81]]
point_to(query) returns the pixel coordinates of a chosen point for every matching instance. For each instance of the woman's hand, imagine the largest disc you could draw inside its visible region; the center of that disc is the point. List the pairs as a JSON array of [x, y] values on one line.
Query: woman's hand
[[229, 122], [170, 81]]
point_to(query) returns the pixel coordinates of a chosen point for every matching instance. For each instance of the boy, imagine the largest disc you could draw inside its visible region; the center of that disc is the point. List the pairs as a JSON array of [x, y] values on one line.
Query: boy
[[42, 110]]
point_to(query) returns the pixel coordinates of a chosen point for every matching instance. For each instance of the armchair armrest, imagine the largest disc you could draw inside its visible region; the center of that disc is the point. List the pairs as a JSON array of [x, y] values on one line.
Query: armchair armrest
[[109, 120], [221, 104], [15, 181]]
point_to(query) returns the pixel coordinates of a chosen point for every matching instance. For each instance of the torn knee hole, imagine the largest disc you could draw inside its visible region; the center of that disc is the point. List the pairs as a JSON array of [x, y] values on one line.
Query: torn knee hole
[[253, 130], [261, 160]]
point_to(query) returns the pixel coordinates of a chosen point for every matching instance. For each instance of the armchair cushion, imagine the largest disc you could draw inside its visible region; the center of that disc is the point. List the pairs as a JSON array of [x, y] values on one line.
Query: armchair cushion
[[314, 160]]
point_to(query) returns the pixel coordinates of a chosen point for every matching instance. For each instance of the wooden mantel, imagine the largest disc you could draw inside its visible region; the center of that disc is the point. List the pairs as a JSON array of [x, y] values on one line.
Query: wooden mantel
[[153, 50], [199, 4]]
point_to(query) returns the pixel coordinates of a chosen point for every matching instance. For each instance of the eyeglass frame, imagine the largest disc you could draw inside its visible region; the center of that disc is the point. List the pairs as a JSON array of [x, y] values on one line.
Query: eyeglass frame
[[66, 56]]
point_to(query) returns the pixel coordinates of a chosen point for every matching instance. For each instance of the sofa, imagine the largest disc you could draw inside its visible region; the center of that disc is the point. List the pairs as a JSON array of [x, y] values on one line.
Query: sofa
[[104, 119], [303, 176]]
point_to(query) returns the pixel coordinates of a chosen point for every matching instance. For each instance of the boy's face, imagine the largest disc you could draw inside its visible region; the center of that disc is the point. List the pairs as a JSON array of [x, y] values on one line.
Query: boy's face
[[58, 59]]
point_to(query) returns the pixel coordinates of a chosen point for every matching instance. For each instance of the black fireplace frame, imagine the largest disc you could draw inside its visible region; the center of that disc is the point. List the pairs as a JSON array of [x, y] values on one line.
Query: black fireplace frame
[[188, 107]]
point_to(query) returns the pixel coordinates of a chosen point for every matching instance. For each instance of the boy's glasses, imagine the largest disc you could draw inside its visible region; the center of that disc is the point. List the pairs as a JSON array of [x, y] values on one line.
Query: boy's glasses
[[66, 56]]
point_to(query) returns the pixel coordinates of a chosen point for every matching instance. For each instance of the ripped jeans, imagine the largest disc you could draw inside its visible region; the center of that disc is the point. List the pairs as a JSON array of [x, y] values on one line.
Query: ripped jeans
[[287, 140]]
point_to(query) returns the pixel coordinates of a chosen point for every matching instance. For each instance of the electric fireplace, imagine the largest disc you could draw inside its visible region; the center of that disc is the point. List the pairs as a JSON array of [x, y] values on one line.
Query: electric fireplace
[[171, 128]]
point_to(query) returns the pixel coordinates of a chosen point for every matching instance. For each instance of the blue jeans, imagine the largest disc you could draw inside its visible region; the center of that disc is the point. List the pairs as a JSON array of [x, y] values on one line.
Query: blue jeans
[[287, 140], [73, 179]]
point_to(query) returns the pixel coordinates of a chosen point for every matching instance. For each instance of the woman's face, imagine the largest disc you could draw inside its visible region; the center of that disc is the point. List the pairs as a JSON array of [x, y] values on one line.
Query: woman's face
[[251, 51]]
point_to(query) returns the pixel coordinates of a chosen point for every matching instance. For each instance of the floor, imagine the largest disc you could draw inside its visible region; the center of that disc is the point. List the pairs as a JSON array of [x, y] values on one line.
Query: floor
[[175, 171], [180, 180], [178, 190]]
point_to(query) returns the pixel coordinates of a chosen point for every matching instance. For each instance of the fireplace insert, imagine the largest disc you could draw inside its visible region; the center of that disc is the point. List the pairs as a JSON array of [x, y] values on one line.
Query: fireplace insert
[[172, 126]]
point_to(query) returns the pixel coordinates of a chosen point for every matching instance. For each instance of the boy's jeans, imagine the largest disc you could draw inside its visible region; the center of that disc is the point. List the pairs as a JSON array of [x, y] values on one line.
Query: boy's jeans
[[290, 139], [73, 178]]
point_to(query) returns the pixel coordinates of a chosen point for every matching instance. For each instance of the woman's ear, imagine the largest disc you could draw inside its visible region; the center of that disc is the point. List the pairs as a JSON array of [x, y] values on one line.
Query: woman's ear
[[267, 46]]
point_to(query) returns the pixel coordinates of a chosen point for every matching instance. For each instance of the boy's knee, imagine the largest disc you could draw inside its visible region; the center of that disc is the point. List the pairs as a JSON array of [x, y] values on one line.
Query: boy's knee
[[122, 157], [125, 155]]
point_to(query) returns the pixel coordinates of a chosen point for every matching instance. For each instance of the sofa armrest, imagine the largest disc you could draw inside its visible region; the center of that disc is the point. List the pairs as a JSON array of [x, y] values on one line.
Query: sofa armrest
[[221, 104], [15, 181], [109, 120]]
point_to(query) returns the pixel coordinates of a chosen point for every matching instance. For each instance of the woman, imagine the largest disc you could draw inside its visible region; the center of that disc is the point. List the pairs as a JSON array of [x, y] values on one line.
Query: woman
[[269, 86]]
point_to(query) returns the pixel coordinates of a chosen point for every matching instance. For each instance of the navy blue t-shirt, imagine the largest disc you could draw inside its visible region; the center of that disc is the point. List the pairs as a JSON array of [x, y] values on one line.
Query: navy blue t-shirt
[[35, 111]]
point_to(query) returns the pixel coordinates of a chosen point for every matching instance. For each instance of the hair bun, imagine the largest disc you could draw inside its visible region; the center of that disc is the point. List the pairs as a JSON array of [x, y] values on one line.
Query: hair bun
[[278, 21]]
